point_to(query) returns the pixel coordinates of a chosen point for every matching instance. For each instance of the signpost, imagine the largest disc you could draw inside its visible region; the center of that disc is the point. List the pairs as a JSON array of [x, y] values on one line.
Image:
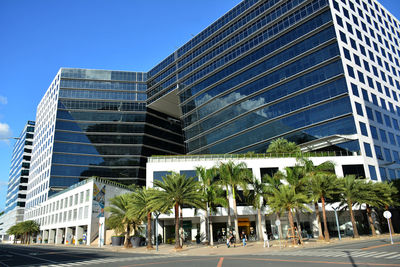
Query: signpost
[[101, 231], [388, 215], [337, 223]]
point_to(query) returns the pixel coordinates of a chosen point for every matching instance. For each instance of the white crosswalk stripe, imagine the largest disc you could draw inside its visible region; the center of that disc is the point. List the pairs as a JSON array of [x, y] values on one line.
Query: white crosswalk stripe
[[386, 254], [336, 253], [109, 260]]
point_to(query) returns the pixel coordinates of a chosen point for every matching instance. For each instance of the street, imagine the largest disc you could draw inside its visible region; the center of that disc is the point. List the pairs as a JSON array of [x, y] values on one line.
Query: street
[[378, 252]]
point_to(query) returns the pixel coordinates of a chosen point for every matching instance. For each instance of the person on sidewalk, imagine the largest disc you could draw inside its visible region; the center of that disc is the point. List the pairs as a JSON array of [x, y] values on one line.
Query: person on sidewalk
[[265, 235], [229, 237], [244, 238]]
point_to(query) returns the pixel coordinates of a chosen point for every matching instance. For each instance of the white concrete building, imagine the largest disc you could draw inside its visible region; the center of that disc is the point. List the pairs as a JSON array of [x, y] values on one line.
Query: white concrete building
[[194, 221], [74, 213]]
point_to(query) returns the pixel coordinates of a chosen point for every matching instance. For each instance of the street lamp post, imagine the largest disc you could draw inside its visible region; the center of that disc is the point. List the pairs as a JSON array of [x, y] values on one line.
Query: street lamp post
[[337, 222]]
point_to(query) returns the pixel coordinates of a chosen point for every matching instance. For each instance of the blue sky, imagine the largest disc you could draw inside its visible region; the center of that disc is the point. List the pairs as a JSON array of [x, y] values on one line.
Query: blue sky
[[39, 37]]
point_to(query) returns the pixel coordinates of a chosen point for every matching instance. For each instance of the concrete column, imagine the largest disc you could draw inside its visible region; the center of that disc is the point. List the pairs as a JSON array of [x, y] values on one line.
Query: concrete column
[[68, 236], [52, 235], [203, 228], [79, 234], [88, 235], [45, 235], [263, 227], [59, 235]]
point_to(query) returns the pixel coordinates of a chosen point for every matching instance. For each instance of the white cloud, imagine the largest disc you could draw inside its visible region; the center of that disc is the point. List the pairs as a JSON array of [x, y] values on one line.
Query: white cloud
[[3, 100], [4, 130]]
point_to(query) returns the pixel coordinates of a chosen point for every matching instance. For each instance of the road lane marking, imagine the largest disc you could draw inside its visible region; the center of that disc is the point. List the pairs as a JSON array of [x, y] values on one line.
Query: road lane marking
[[165, 262], [386, 254], [24, 255], [319, 262], [360, 254], [392, 257], [220, 262], [379, 246]]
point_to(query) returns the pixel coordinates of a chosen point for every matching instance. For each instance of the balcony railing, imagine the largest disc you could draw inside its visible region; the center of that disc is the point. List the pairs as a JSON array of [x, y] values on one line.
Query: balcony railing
[[170, 158]]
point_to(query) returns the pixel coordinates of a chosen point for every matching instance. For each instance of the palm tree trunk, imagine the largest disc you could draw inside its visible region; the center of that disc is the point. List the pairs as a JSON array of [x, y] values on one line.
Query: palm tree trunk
[[326, 231], [128, 230], [320, 235], [235, 217], [177, 243], [211, 231], [290, 215], [371, 222], [149, 243], [207, 241], [298, 221], [353, 221], [229, 211], [181, 225], [260, 234]]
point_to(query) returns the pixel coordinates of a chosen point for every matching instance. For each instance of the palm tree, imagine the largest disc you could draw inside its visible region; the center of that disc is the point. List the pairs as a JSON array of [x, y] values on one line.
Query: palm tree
[[120, 220], [323, 185], [272, 183], [16, 231], [139, 207], [174, 191], [255, 199], [285, 198], [232, 176], [315, 184], [30, 227], [387, 194], [24, 230], [281, 145], [295, 177], [212, 196], [351, 193]]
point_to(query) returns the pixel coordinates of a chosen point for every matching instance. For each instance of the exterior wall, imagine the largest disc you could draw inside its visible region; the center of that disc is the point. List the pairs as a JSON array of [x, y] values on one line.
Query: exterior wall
[[160, 166], [369, 37], [18, 179], [95, 123], [254, 75], [74, 212], [337, 63]]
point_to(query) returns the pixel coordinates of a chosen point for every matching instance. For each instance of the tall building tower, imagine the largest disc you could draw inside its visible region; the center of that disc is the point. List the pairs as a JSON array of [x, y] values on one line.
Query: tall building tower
[[322, 73], [18, 180], [94, 123]]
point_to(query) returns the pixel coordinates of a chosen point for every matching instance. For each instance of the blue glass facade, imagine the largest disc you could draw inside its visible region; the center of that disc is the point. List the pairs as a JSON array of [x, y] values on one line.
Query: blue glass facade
[[104, 129], [19, 170], [264, 70]]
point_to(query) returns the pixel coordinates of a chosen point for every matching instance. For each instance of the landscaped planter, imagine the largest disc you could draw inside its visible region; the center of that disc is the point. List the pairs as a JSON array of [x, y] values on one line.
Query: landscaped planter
[[117, 240], [135, 240]]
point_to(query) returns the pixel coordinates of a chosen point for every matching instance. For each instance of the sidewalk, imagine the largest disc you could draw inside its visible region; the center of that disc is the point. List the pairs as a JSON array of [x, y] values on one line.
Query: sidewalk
[[250, 248]]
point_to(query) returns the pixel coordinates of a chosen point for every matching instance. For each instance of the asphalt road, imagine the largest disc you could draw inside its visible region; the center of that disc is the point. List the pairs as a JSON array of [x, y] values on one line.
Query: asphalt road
[[355, 254]]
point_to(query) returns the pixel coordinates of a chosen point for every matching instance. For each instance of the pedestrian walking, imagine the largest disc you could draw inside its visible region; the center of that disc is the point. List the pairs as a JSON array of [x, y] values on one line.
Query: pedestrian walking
[[229, 237], [244, 238], [266, 238]]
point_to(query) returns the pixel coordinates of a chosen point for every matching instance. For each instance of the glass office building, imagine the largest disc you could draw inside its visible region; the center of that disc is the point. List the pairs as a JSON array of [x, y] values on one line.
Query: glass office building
[[18, 179], [94, 123], [322, 73]]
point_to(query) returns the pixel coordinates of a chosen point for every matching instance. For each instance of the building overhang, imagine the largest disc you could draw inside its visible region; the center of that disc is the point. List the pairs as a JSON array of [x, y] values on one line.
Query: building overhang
[[168, 104], [326, 142]]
